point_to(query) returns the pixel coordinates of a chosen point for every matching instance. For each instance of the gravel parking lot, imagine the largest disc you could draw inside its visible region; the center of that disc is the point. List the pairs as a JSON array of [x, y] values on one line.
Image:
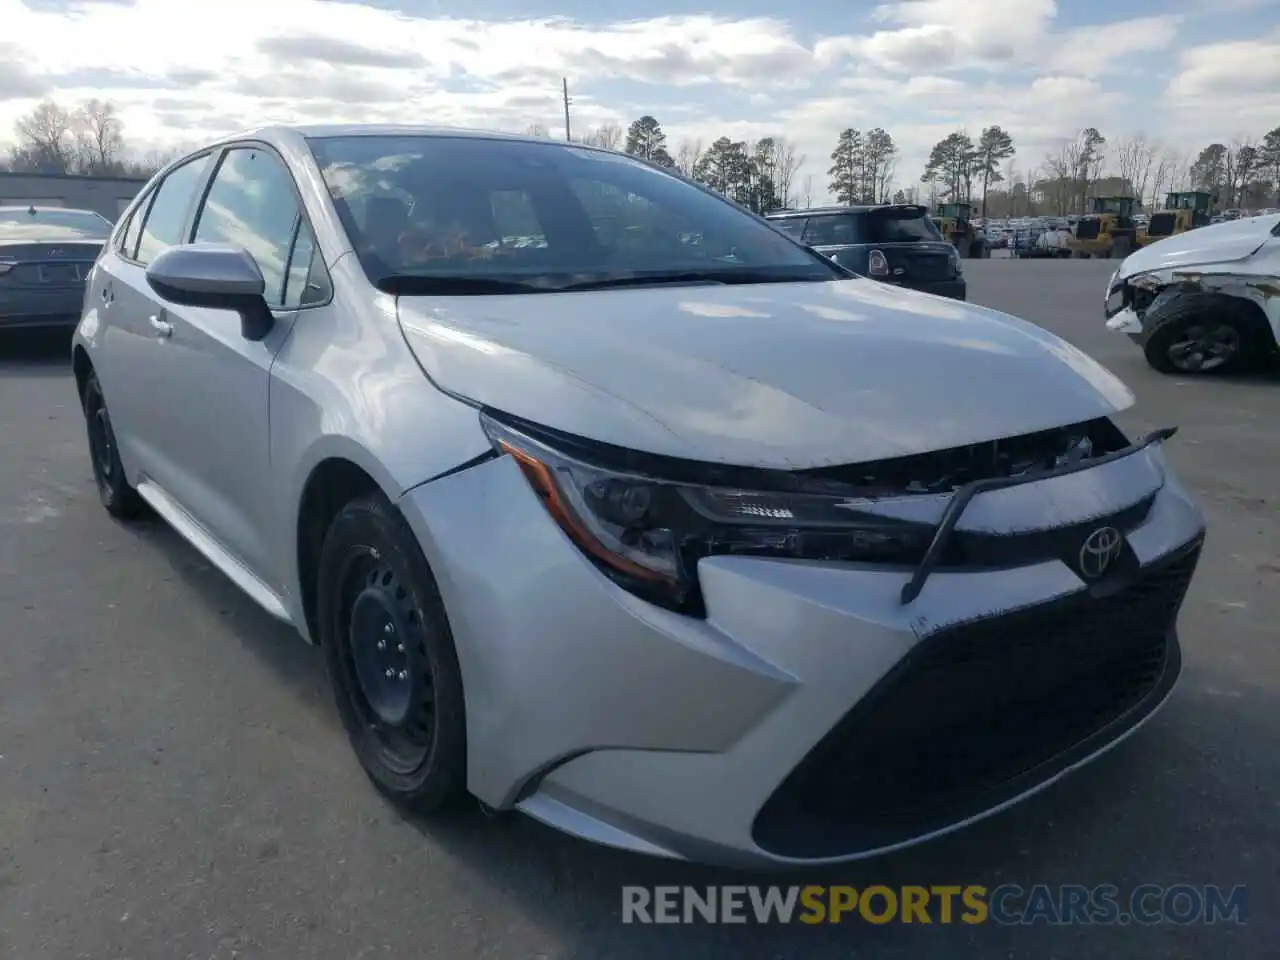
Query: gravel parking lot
[[174, 782]]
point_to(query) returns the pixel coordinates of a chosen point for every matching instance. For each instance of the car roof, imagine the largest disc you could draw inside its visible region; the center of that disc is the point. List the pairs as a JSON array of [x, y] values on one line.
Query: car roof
[[837, 210], [279, 132]]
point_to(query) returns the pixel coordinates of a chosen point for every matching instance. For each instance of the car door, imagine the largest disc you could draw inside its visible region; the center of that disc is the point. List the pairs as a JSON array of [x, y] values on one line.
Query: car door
[[217, 435], [132, 363]]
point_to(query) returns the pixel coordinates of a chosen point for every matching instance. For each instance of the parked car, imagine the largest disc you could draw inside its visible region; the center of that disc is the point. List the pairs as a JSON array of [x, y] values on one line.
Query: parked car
[[45, 255], [892, 243], [1205, 301], [664, 529]]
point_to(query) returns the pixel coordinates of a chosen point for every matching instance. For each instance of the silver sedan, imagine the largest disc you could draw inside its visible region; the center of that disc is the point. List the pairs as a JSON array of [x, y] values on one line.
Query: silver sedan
[[610, 503]]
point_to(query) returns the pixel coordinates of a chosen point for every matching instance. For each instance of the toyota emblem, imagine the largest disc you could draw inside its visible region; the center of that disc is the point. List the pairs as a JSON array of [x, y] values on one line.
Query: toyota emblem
[[1101, 549]]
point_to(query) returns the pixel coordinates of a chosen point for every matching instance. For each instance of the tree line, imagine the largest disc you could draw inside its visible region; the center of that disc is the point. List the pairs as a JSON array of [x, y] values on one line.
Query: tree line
[[759, 175], [763, 175], [87, 140]]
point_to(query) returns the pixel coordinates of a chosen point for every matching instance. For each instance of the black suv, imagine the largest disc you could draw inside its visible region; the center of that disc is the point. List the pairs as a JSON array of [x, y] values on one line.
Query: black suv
[[894, 243]]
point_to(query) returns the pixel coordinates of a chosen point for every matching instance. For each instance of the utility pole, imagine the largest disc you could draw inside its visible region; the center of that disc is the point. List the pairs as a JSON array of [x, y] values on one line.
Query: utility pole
[[564, 83]]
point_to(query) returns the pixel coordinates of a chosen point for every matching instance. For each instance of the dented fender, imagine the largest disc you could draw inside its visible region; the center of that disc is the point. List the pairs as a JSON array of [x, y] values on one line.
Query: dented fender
[[1255, 279]]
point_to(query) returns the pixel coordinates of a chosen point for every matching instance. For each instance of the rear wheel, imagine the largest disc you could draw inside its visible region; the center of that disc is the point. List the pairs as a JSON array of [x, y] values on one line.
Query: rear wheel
[[1205, 333], [391, 657], [119, 499], [1121, 248], [962, 246]]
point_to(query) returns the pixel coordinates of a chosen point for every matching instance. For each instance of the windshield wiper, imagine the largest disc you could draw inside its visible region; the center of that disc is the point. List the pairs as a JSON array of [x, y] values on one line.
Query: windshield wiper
[[452, 284], [690, 277]]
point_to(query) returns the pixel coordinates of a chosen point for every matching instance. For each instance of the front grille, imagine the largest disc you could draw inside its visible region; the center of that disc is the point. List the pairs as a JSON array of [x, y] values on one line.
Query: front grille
[[1162, 224], [1087, 229], [977, 709]]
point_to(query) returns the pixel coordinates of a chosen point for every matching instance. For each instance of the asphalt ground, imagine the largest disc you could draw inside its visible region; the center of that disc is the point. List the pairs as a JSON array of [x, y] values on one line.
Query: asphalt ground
[[174, 782]]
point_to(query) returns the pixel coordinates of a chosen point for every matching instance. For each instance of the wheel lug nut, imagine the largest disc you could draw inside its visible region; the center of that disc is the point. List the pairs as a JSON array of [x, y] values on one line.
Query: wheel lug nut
[[390, 673], [404, 674], [388, 629], [399, 648], [382, 644]]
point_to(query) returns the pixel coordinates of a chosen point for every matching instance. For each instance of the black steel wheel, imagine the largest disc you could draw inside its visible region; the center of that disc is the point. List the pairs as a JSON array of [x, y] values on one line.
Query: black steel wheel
[[390, 656], [119, 499]]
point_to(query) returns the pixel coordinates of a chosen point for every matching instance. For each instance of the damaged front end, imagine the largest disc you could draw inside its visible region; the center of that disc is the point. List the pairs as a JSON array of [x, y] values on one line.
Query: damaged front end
[[646, 521], [1203, 317]]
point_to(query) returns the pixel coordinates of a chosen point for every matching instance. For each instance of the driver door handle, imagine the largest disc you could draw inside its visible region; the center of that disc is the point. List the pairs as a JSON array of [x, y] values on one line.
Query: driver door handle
[[162, 327]]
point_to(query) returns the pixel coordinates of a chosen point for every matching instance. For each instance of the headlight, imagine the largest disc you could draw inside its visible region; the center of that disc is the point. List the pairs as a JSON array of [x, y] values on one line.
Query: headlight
[[648, 533]]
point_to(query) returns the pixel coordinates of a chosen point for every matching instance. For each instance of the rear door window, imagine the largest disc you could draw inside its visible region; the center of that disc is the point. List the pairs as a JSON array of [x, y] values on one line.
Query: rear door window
[[791, 226], [836, 230]]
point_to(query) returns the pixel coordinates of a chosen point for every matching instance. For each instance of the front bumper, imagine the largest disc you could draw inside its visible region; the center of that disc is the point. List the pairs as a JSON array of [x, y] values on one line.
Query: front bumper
[[812, 717]]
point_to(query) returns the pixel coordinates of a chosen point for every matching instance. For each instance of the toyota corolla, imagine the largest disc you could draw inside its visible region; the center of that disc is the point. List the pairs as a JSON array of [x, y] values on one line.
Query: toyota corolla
[[611, 504]]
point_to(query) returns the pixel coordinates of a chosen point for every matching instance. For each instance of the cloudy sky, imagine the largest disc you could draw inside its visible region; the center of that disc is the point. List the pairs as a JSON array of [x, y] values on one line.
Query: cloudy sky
[[1184, 71]]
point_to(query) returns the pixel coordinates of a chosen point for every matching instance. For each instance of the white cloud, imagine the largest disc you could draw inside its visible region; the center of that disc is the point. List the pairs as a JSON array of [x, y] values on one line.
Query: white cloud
[[1241, 76], [186, 70]]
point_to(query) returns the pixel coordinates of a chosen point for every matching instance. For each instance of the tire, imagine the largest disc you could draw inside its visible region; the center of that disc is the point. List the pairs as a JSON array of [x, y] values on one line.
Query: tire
[[962, 247], [390, 657], [1184, 315], [1079, 255], [118, 498]]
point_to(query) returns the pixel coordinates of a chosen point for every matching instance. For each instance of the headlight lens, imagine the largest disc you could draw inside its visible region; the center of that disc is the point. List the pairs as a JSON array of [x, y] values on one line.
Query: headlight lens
[[648, 534]]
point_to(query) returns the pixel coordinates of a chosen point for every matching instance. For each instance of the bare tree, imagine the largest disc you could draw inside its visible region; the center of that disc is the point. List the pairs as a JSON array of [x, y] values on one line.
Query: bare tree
[[806, 195], [537, 130], [1166, 169], [688, 155], [99, 137], [785, 163], [1060, 168], [46, 140], [1134, 157], [607, 135]]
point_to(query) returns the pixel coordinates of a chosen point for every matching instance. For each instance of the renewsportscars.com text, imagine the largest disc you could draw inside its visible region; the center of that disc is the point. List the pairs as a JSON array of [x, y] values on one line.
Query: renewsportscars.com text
[[1009, 904]]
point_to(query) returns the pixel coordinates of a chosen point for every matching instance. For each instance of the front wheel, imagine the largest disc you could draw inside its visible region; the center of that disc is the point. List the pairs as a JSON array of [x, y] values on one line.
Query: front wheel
[[1205, 333], [119, 499], [391, 659]]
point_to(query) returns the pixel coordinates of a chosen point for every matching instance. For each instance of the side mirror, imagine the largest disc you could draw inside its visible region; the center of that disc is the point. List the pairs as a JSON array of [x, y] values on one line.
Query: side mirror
[[221, 276]]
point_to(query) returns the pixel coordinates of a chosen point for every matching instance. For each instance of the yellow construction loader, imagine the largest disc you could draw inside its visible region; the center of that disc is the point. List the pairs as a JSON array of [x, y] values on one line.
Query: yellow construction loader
[[955, 222], [1107, 231], [1182, 212]]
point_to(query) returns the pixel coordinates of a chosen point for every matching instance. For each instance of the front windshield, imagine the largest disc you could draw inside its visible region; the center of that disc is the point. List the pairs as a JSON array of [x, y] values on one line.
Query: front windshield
[[25, 223], [545, 215]]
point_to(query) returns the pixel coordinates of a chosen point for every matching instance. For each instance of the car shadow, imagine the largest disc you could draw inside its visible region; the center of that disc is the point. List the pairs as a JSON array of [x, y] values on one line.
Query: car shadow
[[35, 353]]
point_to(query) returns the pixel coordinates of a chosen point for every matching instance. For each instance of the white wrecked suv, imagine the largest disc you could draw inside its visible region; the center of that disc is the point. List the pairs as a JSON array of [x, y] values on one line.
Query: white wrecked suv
[[1204, 301], [611, 504]]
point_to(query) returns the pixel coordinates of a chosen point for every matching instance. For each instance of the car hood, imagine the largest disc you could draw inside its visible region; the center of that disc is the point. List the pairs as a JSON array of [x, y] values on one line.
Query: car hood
[[1220, 243], [783, 376]]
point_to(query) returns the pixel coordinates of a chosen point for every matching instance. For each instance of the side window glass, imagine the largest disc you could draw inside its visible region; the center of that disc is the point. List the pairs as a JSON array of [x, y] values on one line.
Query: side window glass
[[305, 283], [252, 204], [792, 227], [167, 218]]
